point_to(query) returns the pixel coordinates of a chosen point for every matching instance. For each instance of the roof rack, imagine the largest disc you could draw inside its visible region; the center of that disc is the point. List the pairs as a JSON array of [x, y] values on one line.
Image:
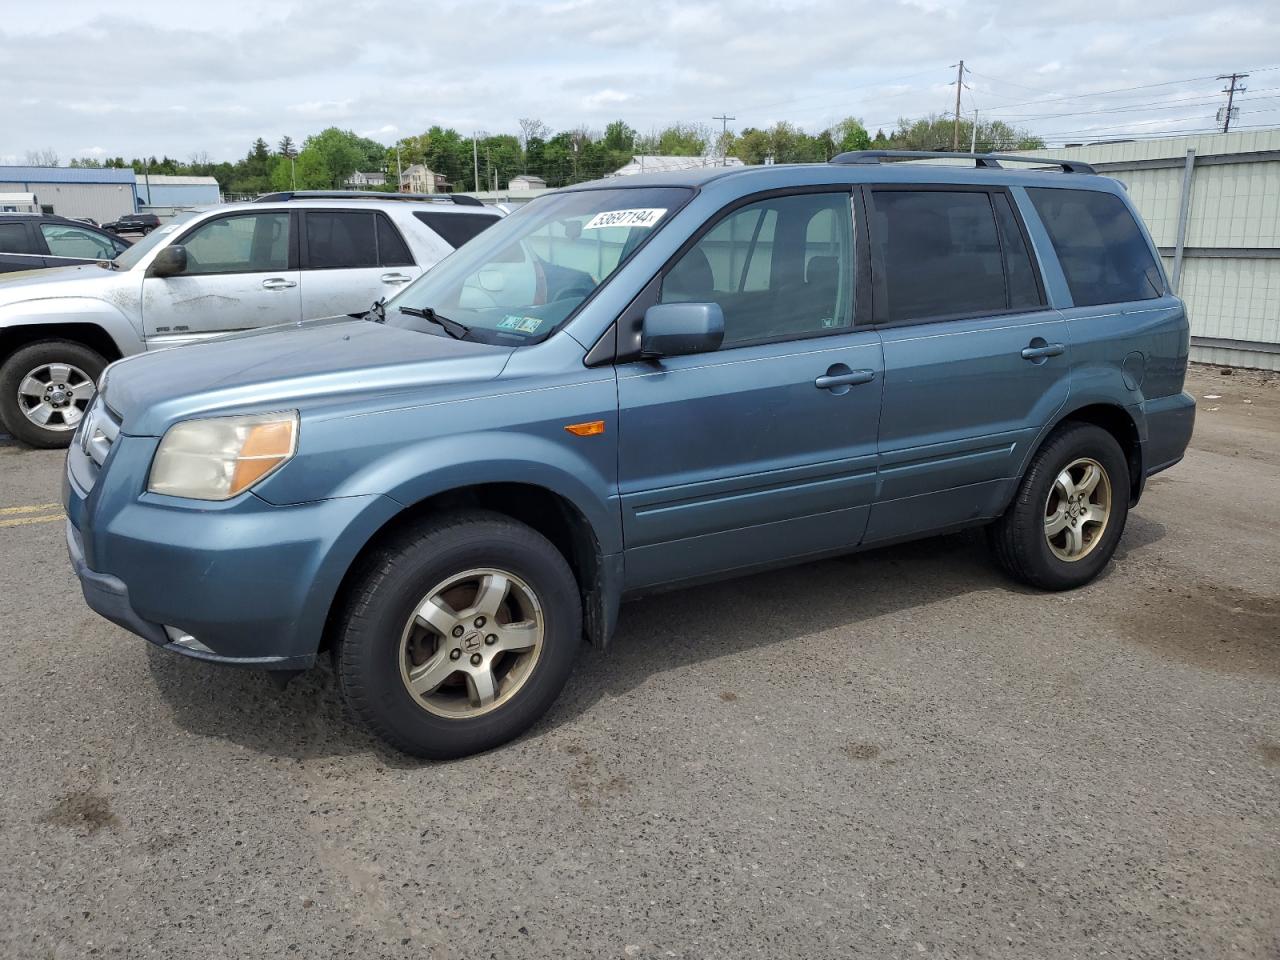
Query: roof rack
[[283, 196], [984, 161]]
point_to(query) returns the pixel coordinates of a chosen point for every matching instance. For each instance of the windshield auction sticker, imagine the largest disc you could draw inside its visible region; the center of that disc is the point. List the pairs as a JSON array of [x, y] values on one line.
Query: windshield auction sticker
[[640, 217]]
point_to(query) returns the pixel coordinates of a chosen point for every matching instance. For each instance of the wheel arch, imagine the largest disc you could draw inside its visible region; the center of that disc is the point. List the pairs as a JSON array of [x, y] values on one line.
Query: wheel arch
[[541, 508], [1118, 422], [91, 335]]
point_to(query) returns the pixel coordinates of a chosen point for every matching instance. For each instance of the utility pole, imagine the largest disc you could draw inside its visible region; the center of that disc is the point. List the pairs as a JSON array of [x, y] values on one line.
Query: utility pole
[[973, 135], [724, 135], [1231, 92], [399, 172], [955, 126], [475, 161]]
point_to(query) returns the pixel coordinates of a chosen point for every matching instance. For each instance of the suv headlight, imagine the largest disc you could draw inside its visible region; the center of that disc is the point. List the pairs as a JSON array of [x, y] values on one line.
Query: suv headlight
[[217, 458]]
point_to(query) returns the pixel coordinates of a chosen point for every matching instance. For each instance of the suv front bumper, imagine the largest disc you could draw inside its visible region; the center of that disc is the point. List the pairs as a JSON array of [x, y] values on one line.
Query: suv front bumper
[[243, 582]]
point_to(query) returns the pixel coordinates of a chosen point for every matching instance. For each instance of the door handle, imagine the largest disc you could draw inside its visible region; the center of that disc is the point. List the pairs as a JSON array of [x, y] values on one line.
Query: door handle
[[832, 381], [278, 283], [1041, 350], [395, 278]]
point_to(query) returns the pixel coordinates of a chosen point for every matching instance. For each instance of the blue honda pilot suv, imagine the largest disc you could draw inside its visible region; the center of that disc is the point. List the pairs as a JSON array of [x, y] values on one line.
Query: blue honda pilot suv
[[626, 386]]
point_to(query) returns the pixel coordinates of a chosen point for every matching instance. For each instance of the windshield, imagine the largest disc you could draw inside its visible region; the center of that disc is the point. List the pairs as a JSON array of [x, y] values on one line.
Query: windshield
[[160, 235], [524, 276]]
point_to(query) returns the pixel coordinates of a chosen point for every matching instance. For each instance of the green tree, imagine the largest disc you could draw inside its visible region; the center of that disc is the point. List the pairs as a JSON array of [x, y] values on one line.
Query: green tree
[[287, 148], [850, 134]]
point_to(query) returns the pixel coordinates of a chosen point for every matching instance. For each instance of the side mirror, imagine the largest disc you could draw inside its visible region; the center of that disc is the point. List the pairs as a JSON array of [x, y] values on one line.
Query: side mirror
[[169, 262], [676, 329]]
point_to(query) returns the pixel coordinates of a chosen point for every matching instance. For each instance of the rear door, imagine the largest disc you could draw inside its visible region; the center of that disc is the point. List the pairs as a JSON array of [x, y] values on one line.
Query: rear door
[[765, 449], [241, 273], [350, 258], [976, 362]]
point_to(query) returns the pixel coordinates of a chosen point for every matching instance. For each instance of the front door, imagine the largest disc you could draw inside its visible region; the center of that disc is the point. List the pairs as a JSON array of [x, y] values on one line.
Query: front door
[[764, 450], [241, 273], [976, 362], [350, 258]]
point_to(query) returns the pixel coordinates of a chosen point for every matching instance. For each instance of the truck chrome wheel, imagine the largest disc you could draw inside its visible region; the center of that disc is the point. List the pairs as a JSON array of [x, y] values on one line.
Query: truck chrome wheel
[[471, 643], [55, 395], [1077, 509]]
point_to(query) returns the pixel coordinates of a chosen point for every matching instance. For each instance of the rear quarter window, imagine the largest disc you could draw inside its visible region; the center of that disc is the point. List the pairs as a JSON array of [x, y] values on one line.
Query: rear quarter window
[[456, 229], [1100, 246]]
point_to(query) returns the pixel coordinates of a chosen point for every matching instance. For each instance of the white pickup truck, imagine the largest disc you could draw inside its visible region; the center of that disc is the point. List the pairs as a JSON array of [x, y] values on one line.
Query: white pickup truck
[[280, 259]]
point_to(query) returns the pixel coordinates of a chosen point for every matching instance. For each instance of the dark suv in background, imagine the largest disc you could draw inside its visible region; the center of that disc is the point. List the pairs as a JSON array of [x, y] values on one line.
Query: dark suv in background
[[142, 223], [32, 241]]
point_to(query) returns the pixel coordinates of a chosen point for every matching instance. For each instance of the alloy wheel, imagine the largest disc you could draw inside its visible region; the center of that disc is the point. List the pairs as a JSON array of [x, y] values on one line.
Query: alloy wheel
[[471, 643], [1077, 509], [55, 396]]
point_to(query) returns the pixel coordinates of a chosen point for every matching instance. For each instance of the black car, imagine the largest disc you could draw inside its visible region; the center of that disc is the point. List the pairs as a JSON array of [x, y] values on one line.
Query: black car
[[31, 241], [142, 223]]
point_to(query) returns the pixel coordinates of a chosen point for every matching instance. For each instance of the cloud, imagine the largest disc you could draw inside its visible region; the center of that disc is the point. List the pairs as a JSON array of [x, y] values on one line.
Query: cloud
[[295, 68]]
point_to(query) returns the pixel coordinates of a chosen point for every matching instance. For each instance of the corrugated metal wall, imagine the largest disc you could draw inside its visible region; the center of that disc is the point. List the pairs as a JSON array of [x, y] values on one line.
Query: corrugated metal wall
[[1230, 275], [101, 201]]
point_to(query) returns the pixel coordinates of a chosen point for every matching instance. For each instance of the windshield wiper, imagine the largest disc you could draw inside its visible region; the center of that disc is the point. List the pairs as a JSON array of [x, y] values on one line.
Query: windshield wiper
[[452, 327]]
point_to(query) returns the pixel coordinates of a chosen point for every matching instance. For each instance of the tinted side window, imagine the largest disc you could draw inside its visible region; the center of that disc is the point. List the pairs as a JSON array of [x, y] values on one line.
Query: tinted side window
[[940, 253], [340, 239], [1102, 251], [456, 228], [248, 243], [778, 268], [392, 250], [1024, 293], [13, 238]]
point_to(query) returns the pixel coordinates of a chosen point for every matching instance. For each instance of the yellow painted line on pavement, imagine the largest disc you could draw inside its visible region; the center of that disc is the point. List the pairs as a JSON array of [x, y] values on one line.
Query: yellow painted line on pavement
[[33, 508], [24, 521], [13, 516]]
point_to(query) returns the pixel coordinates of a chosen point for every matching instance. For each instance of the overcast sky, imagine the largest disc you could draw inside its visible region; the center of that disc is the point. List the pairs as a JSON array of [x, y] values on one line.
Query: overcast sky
[[101, 79]]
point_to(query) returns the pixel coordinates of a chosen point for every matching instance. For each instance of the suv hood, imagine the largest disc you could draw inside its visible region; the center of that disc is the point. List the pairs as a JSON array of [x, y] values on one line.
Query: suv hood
[[319, 363], [85, 279]]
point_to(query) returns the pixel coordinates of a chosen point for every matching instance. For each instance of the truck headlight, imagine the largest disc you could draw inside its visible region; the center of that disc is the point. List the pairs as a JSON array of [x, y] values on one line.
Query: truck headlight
[[217, 458]]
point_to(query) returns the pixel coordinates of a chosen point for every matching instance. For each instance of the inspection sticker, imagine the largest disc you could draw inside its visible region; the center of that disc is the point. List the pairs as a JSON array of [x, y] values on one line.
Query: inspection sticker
[[520, 324], [639, 217]]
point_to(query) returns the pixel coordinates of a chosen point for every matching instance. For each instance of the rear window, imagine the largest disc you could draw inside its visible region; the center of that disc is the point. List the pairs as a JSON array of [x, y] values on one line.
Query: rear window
[[1103, 253], [337, 239], [941, 254], [13, 238], [456, 228]]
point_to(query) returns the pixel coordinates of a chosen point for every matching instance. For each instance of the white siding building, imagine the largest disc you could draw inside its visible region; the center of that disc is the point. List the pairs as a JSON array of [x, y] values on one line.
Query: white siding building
[[98, 192], [416, 178], [1212, 203]]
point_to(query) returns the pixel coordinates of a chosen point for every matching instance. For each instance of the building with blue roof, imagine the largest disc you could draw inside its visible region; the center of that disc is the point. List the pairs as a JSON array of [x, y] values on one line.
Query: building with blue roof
[[101, 193]]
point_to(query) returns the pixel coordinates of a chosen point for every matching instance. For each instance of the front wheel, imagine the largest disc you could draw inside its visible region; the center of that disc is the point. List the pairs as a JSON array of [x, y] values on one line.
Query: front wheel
[[1069, 512], [458, 635], [45, 388]]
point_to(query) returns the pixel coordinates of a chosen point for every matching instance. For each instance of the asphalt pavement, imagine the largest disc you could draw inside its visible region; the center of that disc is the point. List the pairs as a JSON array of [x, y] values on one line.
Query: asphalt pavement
[[895, 754]]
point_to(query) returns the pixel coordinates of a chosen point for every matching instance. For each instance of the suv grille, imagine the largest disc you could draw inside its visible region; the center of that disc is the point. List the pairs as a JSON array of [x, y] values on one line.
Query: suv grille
[[99, 431]]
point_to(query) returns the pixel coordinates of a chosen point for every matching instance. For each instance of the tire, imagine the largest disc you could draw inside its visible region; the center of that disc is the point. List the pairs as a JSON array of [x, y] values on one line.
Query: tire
[[1021, 539], [377, 635], [43, 361], [146, 230]]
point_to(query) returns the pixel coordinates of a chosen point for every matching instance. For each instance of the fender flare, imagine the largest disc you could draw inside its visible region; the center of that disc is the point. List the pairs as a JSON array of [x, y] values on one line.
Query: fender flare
[[64, 311]]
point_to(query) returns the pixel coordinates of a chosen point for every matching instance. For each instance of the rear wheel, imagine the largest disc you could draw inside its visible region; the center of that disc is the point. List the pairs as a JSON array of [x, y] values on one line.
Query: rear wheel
[[45, 388], [458, 636], [1069, 513]]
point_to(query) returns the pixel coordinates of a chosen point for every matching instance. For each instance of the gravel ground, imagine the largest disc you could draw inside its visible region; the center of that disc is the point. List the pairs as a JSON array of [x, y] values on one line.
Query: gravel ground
[[897, 754]]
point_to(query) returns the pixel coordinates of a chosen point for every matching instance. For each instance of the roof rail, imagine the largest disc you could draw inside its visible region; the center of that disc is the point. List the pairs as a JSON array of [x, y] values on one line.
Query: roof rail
[[283, 196], [982, 160]]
